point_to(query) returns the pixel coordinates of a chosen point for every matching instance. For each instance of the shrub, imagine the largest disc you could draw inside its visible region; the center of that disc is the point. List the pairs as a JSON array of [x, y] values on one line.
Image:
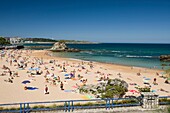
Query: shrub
[[1, 108], [147, 89]]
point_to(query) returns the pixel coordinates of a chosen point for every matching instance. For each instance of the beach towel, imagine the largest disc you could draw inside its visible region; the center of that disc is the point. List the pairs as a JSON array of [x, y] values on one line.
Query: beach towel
[[31, 88], [73, 79], [67, 90], [26, 81], [66, 75], [85, 97], [74, 86], [89, 97], [147, 79], [153, 91]]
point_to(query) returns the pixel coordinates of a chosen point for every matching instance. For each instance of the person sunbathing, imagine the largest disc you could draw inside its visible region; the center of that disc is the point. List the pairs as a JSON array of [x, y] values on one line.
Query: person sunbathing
[[5, 67], [39, 72], [2, 74], [9, 80], [164, 90], [167, 82]]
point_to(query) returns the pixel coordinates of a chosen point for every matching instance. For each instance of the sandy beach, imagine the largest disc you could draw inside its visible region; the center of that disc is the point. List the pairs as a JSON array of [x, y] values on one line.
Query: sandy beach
[[35, 75]]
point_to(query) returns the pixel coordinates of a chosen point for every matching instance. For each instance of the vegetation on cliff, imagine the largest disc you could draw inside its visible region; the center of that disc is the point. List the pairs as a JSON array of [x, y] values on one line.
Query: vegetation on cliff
[[39, 39], [3, 41]]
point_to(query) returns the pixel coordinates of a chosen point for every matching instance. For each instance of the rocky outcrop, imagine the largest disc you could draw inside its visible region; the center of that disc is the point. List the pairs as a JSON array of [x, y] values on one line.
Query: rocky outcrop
[[61, 47], [112, 88], [165, 57]]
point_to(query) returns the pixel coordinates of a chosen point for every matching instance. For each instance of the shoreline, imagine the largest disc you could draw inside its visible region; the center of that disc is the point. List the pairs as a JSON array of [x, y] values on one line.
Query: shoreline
[[106, 64], [100, 62]]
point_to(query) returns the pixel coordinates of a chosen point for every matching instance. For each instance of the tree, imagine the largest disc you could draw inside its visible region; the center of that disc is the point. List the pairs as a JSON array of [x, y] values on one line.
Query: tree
[[3, 41]]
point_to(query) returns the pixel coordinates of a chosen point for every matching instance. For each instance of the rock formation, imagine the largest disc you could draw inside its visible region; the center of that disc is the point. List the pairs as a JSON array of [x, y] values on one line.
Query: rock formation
[[112, 88], [61, 47], [165, 57]]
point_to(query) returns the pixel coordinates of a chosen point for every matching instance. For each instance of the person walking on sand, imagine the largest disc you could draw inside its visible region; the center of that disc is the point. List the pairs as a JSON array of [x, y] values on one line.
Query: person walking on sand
[[10, 62], [46, 89], [61, 86]]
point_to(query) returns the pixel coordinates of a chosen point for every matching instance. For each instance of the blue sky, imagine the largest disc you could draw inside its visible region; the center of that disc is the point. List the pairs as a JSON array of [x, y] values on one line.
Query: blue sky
[[125, 21]]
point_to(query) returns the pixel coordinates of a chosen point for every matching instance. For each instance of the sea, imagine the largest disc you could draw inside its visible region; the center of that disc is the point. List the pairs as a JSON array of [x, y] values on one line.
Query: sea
[[140, 55]]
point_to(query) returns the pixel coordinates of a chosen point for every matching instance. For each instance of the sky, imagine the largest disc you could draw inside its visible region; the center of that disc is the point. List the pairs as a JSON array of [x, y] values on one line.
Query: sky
[[117, 21]]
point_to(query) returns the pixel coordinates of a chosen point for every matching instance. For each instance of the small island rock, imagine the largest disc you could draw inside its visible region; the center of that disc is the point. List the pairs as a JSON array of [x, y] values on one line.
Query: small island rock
[[61, 47]]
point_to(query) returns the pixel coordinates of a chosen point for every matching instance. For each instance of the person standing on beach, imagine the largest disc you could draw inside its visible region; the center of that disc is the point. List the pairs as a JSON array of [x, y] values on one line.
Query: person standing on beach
[[46, 89], [61, 86], [10, 62]]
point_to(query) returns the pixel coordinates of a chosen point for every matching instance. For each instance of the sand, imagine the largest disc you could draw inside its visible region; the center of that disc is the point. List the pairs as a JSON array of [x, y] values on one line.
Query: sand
[[15, 92]]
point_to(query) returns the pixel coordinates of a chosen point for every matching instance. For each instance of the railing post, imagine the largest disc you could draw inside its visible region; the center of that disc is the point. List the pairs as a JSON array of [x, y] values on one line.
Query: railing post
[[20, 108], [65, 106], [106, 103], [24, 107], [112, 103], [72, 105], [109, 103], [27, 108], [68, 106]]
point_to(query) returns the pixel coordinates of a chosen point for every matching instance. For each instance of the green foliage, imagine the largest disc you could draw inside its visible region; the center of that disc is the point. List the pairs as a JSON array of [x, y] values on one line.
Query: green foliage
[[112, 91], [164, 100], [168, 109], [3, 41], [1, 108], [82, 90], [62, 41], [38, 106], [39, 39], [126, 101], [53, 106], [88, 104], [146, 89]]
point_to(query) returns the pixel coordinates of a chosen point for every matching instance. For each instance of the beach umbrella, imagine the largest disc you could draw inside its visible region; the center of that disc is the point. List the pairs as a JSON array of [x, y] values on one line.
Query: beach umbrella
[[26, 81]]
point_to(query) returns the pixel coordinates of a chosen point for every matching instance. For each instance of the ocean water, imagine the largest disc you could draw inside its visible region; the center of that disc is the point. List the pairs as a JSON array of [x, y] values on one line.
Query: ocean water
[[141, 55]]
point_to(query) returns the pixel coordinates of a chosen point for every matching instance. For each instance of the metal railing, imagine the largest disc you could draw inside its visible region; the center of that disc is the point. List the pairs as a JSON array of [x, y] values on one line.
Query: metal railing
[[164, 100], [68, 105], [71, 105]]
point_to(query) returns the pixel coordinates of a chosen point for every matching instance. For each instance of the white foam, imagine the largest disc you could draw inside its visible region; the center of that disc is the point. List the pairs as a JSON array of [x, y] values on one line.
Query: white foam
[[131, 56]]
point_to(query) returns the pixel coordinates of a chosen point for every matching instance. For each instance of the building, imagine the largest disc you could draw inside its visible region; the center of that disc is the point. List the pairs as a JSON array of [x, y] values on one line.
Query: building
[[16, 40]]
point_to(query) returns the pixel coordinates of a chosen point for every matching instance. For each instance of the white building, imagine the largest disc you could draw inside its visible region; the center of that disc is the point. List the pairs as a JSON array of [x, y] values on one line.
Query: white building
[[16, 40]]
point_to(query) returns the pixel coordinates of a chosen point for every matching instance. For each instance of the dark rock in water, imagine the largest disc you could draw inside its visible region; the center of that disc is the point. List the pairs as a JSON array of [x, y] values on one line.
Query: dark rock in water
[[12, 47], [164, 57], [20, 47], [61, 47]]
